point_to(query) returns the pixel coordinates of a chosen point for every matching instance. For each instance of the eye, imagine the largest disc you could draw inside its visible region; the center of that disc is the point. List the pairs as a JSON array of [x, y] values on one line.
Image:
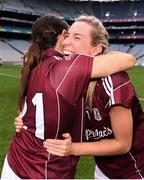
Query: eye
[[66, 35], [77, 38]]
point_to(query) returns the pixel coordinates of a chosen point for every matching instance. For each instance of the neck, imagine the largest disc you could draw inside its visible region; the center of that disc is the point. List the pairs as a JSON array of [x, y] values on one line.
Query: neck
[[58, 47], [58, 50]]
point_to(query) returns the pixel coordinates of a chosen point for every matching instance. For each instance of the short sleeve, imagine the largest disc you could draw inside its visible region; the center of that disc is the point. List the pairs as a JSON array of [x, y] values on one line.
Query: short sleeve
[[71, 77], [120, 90]]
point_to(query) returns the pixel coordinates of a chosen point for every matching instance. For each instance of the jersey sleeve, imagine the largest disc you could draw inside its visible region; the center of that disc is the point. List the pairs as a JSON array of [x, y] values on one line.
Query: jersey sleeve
[[71, 77], [119, 89]]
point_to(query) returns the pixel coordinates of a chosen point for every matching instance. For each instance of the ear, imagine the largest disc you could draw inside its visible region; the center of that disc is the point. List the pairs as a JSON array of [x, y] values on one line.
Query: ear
[[61, 36], [60, 39], [97, 50], [64, 32]]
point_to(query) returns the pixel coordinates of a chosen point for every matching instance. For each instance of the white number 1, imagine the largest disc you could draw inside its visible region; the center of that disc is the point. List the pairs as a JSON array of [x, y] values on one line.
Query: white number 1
[[38, 103]]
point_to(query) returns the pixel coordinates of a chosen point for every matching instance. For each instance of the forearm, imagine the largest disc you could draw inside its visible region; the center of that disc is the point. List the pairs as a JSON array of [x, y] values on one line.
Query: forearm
[[105, 65], [122, 126], [100, 148]]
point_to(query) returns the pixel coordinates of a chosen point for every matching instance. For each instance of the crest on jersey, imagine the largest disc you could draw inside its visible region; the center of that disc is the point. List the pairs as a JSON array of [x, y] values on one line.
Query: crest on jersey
[[96, 114]]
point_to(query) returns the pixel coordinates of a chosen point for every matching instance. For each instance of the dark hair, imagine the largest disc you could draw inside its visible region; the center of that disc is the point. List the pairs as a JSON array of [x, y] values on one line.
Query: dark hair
[[45, 31]]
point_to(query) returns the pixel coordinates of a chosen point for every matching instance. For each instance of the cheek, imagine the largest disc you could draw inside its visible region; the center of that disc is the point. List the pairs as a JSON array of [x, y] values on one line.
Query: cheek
[[86, 49], [75, 47], [80, 47], [89, 49]]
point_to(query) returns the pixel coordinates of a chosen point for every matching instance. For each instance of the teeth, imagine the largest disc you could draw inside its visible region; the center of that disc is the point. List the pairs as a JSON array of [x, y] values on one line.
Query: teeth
[[67, 52]]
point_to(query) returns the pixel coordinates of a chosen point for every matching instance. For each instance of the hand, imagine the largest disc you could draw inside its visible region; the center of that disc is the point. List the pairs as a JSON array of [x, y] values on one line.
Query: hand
[[18, 124], [59, 147]]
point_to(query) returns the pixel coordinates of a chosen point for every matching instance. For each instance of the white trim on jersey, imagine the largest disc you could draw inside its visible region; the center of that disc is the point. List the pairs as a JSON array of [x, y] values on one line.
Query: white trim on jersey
[[135, 165], [108, 86], [58, 104], [107, 91], [112, 90], [122, 85], [57, 95], [46, 165], [82, 119], [67, 73], [105, 87]]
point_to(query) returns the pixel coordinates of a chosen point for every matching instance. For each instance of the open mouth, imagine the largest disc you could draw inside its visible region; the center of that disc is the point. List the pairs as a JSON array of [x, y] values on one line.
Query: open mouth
[[67, 52]]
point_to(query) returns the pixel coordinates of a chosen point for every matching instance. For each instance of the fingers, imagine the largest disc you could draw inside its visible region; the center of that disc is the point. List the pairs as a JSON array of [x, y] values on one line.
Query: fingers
[[18, 124], [58, 150], [66, 135], [59, 147], [18, 128], [56, 144], [18, 119]]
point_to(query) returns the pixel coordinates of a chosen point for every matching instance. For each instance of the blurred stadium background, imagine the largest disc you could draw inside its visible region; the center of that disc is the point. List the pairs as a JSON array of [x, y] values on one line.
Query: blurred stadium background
[[124, 20]]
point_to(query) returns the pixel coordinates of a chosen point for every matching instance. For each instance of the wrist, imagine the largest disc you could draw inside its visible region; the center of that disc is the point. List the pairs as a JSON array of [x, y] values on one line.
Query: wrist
[[72, 149]]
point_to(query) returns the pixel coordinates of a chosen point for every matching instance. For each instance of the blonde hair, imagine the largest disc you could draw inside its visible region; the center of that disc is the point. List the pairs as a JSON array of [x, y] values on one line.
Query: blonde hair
[[99, 33], [100, 37]]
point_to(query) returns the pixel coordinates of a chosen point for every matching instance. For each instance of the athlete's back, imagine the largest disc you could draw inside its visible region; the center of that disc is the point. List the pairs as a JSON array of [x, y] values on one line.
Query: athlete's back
[[54, 89]]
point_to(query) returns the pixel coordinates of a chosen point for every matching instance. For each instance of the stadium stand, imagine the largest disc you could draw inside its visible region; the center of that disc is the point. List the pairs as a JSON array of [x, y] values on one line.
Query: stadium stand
[[8, 53], [123, 19], [16, 4], [20, 45]]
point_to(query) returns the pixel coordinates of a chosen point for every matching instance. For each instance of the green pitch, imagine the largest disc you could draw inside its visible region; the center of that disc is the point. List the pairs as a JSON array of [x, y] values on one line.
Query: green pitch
[[9, 84]]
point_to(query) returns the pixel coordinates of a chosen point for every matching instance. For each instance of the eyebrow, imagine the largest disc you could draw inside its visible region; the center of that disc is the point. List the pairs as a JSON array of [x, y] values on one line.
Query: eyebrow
[[77, 34]]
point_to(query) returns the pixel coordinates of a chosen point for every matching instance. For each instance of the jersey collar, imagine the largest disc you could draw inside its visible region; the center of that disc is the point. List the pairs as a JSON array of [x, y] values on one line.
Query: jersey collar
[[51, 52]]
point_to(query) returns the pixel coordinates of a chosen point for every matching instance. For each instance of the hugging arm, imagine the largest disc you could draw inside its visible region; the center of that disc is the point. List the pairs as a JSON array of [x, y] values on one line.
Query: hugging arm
[[122, 123], [107, 64]]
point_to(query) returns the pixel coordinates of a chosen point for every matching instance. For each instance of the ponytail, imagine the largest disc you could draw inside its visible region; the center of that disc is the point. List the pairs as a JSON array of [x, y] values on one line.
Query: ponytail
[[45, 31], [33, 58], [89, 95]]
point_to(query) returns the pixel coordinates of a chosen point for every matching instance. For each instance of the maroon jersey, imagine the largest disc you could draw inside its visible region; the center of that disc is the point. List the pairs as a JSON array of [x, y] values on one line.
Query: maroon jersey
[[111, 91], [55, 90]]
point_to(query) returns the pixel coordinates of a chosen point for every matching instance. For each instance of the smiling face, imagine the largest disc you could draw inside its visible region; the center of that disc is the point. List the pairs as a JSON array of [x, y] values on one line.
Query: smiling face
[[86, 35], [78, 39]]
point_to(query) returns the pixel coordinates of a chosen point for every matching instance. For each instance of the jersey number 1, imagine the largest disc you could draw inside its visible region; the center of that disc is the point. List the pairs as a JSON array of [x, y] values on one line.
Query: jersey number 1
[[39, 116]]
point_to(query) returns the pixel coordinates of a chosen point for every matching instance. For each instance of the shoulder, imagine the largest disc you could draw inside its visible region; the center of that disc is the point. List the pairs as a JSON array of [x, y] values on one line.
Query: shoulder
[[117, 80], [121, 76]]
